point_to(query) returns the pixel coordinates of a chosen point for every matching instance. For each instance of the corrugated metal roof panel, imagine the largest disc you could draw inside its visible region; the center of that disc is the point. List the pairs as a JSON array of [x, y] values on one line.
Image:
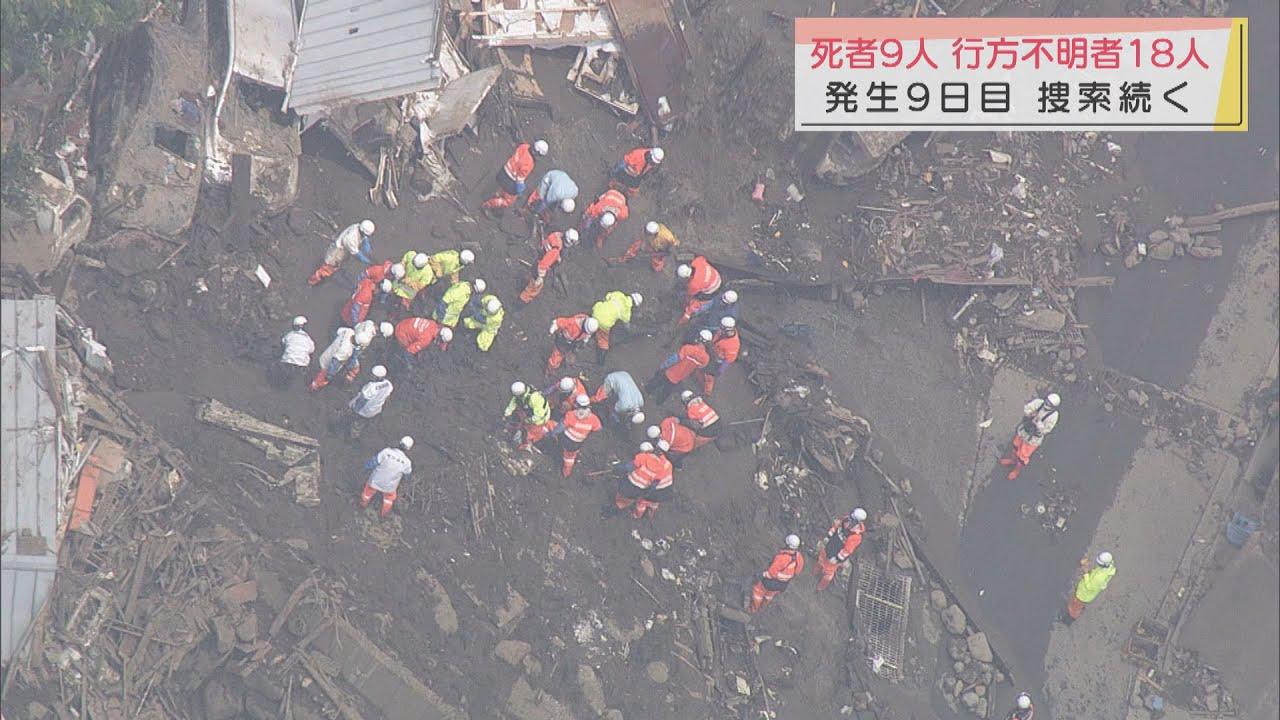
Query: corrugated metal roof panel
[[29, 495], [363, 51]]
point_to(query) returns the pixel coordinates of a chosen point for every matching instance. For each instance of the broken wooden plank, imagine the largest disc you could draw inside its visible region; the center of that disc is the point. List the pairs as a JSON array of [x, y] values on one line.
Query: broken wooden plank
[[1234, 213], [216, 413]]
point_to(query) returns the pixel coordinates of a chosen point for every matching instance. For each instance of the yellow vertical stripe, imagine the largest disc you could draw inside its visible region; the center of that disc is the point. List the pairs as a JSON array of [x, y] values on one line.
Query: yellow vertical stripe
[[1233, 94]]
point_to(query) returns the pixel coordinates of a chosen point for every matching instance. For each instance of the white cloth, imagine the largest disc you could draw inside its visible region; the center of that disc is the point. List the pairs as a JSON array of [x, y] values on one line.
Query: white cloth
[[393, 466], [1044, 419], [622, 386], [341, 348], [298, 347], [365, 333], [349, 240], [369, 401]]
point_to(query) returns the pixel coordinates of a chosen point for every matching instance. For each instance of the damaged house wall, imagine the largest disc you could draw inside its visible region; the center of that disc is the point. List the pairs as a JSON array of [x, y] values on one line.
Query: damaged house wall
[[146, 114]]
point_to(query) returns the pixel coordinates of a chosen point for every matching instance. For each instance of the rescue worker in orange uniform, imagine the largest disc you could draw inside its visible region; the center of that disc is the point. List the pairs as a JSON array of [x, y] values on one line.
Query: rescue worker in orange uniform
[[679, 437], [602, 216], [415, 334], [703, 284], [552, 245], [841, 541], [725, 346], [513, 174], [645, 481], [702, 418], [356, 310], [786, 565], [569, 333], [562, 395], [637, 163], [1039, 418], [677, 368], [573, 430]]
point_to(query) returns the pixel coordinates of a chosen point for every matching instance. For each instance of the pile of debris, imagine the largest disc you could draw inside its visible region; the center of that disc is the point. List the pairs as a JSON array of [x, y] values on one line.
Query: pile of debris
[[1195, 236], [1196, 686]]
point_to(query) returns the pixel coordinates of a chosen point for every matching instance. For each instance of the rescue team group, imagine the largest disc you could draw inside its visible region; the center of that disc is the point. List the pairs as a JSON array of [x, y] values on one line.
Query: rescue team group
[[563, 414]]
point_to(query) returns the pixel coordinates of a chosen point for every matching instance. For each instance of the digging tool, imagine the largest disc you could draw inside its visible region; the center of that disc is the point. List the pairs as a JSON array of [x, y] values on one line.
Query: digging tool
[[955, 318], [377, 185]]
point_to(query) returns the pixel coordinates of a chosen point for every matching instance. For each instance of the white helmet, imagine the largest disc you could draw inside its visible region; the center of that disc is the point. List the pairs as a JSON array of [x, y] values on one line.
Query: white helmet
[[646, 447], [420, 260], [518, 388], [607, 220], [1024, 701], [684, 271], [571, 235], [656, 154], [728, 323], [663, 445], [591, 325], [582, 401], [566, 384], [568, 205], [387, 329], [379, 371], [467, 257], [385, 285], [493, 306], [651, 227], [446, 334], [397, 271], [637, 299], [553, 329], [479, 285], [705, 335], [686, 396], [652, 432], [730, 297], [793, 542], [1052, 400], [858, 515], [300, 321], [638, 418], [1104, 559], [406, 442], [540, 147], [367, 227]]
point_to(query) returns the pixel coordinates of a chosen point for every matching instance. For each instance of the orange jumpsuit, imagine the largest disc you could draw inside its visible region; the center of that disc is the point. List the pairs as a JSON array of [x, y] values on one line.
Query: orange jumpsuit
[[610, 201], [570, 334], [634, 166], [576, 430], [415, 334], [786, 565], [725, 347], [552, 245], [511, 178], [704, 420], [647, 484], [681, 439], [688, 359], [702, 288], [842, 540]]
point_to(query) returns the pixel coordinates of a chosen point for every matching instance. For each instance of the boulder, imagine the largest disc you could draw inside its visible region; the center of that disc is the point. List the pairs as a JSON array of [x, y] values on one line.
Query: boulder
[[969, 699], [512, 651], [954, 620], [592, 690], [979, 648], [938, 599], [1161, 250], [657, 671]]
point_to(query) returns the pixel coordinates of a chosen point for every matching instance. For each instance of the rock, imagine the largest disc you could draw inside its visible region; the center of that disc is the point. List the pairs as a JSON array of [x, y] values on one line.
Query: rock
[[980, 689], [1132, 258], [513, 610], [1181, 238], [298, 544], [37, 711], [646, 565], [979, 648], [445, 616], [997, 677], [613, 714], [938, 599], [512, 651], [957, 666], [1206, 247], [954, 620], [901, 558], [247, 630], [970, 699], [220, 701], [857, 300], [929, 627], [1109, 249], [224, 633], [1043, 319], [592, 690], [958, 650], [657, 671], [1156, 236], [240, 593], [144, 290], [1161, 250], [1138, 397], [526, 703], [980, 708]]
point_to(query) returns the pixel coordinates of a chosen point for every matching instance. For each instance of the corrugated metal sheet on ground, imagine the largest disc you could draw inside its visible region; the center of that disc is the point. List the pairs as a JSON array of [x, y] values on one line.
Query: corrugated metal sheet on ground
[[363, 51], [264, 39], [29, 496]]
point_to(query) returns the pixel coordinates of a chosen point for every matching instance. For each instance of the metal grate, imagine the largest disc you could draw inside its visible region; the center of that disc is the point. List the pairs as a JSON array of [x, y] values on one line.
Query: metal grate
[[882, 603]]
